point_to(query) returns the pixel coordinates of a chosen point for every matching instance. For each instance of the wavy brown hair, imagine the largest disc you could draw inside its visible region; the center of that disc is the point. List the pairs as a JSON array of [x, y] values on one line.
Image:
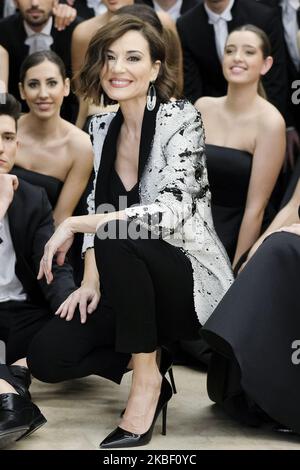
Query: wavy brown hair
[[88, 80]]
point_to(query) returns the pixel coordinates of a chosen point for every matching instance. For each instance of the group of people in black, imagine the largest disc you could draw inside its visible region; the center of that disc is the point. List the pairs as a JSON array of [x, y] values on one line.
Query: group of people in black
[[151, 161]]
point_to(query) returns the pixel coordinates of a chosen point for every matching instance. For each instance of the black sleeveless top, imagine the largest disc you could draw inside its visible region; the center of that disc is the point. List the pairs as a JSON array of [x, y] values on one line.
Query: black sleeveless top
[[52, 185]]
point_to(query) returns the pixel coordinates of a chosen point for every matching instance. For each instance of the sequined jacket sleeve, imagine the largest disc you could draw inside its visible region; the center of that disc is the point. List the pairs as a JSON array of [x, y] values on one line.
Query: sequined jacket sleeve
[[183, 177]]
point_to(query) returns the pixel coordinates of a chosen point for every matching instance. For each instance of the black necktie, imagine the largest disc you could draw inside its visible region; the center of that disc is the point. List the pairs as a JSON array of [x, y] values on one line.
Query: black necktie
[[298, 17]]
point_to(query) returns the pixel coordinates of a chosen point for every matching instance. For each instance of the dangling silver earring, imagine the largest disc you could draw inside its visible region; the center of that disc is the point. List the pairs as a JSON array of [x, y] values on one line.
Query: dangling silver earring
[[151, 97]]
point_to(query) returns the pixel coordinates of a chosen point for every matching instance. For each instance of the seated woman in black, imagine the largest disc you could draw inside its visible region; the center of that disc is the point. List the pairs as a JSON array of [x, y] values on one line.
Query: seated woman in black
[[245, 143], [52, 153]]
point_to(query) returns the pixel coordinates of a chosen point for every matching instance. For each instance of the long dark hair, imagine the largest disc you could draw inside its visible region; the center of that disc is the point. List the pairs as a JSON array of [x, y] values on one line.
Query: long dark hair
[[37, 58]]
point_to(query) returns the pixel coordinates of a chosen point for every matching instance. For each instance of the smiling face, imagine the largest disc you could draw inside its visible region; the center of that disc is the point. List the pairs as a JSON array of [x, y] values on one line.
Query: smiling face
[[8, 143], [128, 68], [114, 5], [44, 89], [243, 58]]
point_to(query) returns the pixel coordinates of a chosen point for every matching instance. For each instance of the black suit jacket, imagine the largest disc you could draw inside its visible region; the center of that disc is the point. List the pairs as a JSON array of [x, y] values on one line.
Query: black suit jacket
[[186, 4], [293, 109], [202, 69], [31, 226], [83, 11], [12, 37]]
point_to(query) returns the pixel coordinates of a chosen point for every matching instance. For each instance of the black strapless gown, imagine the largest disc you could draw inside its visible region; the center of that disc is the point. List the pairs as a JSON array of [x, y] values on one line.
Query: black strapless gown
[[255, 333], [52, 185], [229, 172]]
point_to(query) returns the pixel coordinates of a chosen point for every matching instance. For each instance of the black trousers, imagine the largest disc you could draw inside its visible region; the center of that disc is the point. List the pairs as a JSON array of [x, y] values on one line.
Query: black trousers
[[146, 301], [19, 322]]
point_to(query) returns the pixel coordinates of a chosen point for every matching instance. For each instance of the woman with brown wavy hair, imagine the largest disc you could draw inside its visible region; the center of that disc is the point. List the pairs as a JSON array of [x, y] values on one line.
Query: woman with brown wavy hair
[[161, 267], [85, 31]]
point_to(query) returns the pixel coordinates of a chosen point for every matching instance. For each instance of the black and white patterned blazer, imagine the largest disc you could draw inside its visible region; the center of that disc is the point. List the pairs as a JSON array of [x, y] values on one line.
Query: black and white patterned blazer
[[174, 192]]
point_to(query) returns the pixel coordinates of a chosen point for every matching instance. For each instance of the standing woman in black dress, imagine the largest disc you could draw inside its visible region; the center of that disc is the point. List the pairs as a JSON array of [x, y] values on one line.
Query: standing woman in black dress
[[162, 268]]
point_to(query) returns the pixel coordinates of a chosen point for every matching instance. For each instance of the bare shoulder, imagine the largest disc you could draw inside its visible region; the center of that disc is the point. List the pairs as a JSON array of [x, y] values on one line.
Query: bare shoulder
[[206, 103], [269, 118], [86, 29], [79, 142]]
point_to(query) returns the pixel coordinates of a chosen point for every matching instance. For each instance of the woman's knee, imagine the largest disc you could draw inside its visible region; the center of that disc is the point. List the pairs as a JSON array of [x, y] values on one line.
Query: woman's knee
[[282, 244]]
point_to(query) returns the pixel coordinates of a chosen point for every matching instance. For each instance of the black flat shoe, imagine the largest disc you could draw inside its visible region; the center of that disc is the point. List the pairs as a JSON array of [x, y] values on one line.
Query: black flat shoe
[[19, 417], [121, 438]]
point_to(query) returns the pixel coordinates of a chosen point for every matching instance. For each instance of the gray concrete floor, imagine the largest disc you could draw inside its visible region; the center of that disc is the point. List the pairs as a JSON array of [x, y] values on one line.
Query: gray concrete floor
[[82, 412]]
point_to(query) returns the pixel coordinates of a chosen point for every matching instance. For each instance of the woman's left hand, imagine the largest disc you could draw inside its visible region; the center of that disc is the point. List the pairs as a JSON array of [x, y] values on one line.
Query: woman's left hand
[[59, 244]]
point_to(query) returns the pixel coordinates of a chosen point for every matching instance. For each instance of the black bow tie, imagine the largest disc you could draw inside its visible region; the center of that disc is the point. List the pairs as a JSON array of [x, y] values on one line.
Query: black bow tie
[[1, 241]]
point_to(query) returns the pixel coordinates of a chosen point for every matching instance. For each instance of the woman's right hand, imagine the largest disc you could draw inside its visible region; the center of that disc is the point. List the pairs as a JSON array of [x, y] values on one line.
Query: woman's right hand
[[86, 297]]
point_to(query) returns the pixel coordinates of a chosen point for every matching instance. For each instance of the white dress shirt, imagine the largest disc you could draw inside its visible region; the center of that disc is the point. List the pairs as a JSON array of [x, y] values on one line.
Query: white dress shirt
[[9, 8], [173, 12], [290, 25], [220, 26], [10, 286], [39, 41]]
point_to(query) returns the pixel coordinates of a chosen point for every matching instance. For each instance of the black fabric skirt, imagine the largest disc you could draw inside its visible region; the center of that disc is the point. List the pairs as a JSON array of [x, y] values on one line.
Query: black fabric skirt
[[255, 332]]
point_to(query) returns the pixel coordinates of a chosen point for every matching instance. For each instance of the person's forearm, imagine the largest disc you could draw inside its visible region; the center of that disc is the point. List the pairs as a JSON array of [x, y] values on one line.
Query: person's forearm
[[90, 223], [91, 275], [287, 216], [249, 233], [4, 205]]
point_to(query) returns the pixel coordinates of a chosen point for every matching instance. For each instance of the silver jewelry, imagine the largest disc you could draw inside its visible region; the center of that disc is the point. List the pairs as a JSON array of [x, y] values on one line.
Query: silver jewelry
[[151, 97]]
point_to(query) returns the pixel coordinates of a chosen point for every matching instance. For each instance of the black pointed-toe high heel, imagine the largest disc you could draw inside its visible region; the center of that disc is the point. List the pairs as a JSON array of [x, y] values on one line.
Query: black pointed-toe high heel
[[166, 362], [122, 438]]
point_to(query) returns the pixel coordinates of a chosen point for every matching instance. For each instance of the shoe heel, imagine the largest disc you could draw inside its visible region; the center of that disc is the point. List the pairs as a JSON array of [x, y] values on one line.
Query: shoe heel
[[171, 375], [164, 420], [36, 424]]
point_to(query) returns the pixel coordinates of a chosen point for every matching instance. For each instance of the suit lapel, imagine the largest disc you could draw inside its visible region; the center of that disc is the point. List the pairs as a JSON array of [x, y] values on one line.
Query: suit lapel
[[16, 227], [21, 35], [147, 134], [108, 155]]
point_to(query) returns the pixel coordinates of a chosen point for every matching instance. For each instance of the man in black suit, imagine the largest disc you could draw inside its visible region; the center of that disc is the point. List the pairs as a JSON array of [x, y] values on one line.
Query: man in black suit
[[289, 12], [33, 29], [169, 5], [202, 65], [26, 304]]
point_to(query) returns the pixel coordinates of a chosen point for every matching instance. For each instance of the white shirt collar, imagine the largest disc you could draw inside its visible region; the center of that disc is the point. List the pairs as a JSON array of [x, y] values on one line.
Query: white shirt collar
[[173, 12], [46, 29], [290, 3], [225, 15]]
